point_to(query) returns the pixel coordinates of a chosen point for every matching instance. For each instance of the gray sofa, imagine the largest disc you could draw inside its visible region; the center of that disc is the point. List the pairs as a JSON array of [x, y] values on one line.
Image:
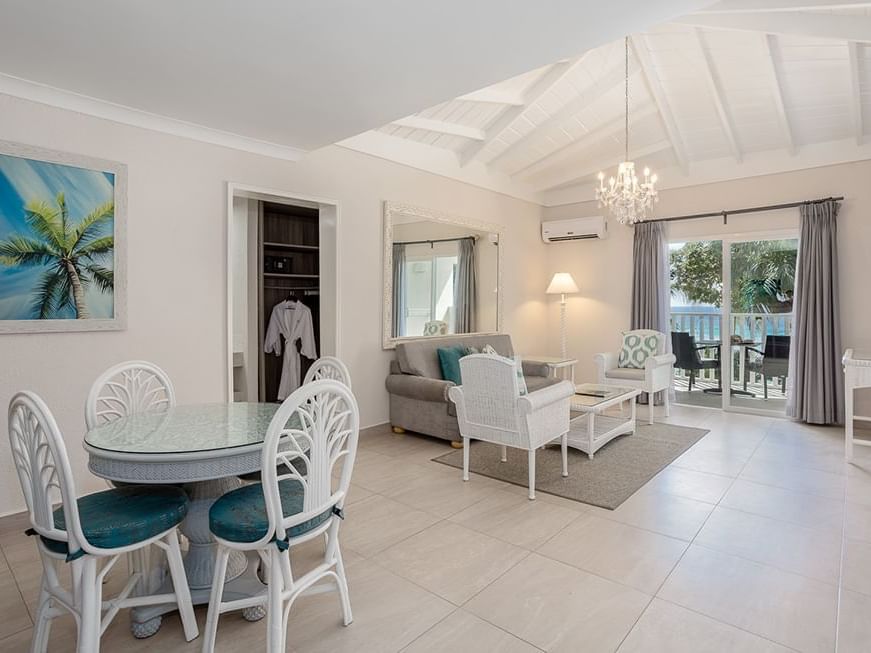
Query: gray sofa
[[419, 394]]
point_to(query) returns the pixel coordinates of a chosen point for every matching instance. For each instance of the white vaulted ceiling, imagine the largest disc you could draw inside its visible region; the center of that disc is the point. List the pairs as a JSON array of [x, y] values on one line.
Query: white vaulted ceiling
[[742, 88]]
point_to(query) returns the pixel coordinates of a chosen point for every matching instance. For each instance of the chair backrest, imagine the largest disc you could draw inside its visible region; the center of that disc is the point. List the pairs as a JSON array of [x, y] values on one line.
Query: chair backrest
[[328, 367], [43, 467], [128, 388], [319, 425], [683, 346], [490, 391], [777, 347]]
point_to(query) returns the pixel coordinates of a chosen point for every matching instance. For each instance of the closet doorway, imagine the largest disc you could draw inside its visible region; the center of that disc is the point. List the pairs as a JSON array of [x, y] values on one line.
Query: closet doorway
[[282, 261]]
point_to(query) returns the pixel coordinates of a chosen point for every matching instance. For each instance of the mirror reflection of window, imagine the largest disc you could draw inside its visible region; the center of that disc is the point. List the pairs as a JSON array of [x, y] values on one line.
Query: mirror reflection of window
[[429, 273]]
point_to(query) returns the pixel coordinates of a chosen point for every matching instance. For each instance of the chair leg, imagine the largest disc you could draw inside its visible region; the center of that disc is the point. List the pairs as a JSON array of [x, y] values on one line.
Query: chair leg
[[666, 401], [42, 623], [90, 602], [650, 403], [465, 459], [504, 457], [344, 597], [180, 586], [275, 606], [692, 378], [532, 474], [564, 451], [765, 387], [211, 629]]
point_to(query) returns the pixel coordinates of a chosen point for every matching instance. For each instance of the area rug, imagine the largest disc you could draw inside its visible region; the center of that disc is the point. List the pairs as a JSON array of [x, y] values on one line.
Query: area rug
[[618, 469]]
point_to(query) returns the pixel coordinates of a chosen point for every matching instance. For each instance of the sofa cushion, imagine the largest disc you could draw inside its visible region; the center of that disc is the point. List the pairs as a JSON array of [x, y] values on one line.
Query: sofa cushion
[[449, 362], [625, 373], [420, 358], [534, 383]]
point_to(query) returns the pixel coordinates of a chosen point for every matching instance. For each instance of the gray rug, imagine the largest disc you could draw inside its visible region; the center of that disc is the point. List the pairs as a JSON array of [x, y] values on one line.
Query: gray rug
[[616, 472]]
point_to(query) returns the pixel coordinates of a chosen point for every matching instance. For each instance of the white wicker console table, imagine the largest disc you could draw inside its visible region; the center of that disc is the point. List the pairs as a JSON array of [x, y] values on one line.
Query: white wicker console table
[[857, 374], [205, 447]]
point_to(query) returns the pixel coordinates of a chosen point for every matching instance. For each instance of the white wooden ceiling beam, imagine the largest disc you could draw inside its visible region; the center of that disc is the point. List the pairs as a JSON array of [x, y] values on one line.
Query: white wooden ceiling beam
[[772, 59], [546, 82], [855, 93], [611, 129], [440, 127], [574, 176], [790, 23], [718, 96], [654, 87], [494, 96], [761, 6], [602, 85]]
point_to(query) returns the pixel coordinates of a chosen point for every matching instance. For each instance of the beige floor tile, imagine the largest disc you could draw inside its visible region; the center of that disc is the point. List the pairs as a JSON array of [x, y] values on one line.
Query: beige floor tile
[[792, 477], [668, 628], [807, 551], [821, 458], [731, 443], [410, 445], [559, 608], [616, 551], [451, 561], [689, 484], [857, 522], [463, 632], [778, 503], [662, 513], [14, 616], [389, 613], [544, 497], [854, 623], [441, 491], [856, 570], [790, 609], [711, 461], [376, 523], [859, 484], [512, 517], [379, 473]]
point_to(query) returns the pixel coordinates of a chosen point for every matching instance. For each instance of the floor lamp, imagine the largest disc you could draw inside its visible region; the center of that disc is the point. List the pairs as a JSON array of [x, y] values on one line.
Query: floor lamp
[[562, 284]]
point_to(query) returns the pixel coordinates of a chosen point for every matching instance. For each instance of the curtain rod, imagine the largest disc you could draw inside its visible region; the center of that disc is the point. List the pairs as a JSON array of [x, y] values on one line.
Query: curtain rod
[[430, 242], [755, 209]]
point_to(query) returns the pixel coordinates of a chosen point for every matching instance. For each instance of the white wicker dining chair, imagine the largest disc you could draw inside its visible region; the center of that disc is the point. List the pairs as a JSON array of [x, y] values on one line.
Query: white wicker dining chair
[[491, 408], [128, 388], [317, 425], [89, 533], [328, 367]]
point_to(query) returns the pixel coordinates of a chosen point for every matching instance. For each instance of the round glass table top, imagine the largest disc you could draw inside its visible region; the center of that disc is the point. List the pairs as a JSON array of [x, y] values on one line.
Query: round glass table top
[[186, 429]]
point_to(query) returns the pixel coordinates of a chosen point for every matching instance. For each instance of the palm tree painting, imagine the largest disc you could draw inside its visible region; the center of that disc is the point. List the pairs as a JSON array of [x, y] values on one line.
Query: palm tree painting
[[57, 241]]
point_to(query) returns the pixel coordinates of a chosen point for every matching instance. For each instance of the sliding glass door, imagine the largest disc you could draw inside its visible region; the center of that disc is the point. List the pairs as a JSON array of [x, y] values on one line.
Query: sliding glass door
[[731, 321]]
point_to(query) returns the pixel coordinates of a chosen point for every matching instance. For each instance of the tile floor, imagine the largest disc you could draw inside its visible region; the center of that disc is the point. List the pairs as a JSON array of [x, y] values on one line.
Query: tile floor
[[756, 539]]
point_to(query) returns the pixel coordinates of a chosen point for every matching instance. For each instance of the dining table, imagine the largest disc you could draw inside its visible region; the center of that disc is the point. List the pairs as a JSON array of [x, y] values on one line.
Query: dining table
[[204, 448]]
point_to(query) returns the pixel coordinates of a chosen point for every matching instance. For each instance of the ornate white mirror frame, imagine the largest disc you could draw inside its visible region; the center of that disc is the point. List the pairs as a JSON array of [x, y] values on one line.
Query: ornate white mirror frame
[[392, 210]]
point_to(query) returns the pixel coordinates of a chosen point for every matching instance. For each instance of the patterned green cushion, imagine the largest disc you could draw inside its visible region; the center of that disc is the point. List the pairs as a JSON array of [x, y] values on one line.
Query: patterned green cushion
[[636, 350], [124, 516], [240, 515], [521, 380], [449, 362]]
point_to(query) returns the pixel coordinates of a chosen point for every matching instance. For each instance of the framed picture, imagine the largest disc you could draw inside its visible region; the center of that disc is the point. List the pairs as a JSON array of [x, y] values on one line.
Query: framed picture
[[62, 241]]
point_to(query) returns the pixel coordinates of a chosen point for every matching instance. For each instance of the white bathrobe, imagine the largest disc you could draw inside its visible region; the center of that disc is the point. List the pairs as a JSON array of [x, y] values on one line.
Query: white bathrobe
[[293, 320]]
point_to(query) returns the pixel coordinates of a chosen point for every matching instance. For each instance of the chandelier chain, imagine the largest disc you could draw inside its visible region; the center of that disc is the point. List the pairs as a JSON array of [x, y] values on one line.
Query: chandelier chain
[[626, 80]]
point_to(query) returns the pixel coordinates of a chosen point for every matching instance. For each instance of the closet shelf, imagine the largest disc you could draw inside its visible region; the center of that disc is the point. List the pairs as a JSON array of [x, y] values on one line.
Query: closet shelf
[[305, 248], [291, 276]]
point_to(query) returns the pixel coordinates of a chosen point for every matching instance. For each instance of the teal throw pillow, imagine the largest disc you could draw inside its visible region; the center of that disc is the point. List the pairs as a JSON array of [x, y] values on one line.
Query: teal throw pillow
[[449, 361], [636, 350]]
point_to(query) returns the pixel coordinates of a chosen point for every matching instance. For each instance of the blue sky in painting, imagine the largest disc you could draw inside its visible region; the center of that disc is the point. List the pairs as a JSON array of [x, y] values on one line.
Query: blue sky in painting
[[24, 180]]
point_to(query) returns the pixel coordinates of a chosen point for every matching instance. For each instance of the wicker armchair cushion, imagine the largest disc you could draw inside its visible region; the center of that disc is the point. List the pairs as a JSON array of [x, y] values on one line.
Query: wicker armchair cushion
[[124, 516], [240, 515]]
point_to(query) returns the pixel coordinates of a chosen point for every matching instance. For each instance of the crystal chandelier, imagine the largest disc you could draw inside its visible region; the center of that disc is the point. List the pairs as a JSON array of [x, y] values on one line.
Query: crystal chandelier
[[624, 196]]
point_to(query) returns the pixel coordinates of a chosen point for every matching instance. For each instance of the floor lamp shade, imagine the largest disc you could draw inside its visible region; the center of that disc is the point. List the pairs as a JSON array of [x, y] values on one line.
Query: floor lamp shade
[[562, 284]]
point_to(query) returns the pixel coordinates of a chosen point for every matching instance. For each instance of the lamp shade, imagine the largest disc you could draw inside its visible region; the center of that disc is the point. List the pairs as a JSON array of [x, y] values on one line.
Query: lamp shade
[[562, 283]]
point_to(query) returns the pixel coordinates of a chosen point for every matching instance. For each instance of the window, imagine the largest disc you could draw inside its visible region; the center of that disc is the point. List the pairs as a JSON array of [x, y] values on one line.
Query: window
[[430, 282]]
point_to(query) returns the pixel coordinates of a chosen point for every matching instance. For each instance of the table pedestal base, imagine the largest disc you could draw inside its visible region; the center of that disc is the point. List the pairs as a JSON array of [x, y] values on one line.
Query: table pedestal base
[[199, 563]]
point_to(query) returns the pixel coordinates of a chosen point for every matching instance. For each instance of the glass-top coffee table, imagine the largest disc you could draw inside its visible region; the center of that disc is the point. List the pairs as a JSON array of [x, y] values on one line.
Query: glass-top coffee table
[[593, 429]]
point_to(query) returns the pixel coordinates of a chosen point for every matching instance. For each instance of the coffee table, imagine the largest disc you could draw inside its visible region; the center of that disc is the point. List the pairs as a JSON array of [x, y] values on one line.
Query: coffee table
[[591, 430]]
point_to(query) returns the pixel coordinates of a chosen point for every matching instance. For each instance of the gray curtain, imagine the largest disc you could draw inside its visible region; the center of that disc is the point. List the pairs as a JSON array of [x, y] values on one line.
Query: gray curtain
[[816, 382], [400, 290], [465, 287], [650, 281]]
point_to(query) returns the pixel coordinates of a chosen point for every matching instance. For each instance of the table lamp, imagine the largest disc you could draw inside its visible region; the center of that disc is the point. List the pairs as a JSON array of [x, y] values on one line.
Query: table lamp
[[562, 284]]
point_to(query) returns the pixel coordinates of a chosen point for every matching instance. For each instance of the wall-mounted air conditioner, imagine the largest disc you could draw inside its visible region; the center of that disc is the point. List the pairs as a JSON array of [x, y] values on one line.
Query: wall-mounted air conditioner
[[557, 231]]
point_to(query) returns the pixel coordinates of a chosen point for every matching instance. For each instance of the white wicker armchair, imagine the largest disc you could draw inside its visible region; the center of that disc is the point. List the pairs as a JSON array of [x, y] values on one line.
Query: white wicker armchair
[[655, 377], [490, 408]]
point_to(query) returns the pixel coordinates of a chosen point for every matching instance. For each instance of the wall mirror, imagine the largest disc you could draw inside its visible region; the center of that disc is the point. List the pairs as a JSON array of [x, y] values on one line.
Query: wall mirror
[[441, 274]]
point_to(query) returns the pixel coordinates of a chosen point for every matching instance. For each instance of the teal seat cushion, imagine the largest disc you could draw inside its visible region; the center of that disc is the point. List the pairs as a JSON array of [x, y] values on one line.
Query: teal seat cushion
[[299, 465], [240, 515], [124, 515], [449, 361]]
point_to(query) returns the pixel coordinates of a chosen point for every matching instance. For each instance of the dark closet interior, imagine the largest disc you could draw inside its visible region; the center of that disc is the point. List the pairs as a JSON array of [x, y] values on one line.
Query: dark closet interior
[[289, 269]]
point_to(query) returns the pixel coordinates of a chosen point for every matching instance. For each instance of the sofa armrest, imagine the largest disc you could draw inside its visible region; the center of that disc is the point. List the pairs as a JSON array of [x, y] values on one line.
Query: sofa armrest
[[659, 361], [418, 387], [604, 362], [539, 399], [534, 368]]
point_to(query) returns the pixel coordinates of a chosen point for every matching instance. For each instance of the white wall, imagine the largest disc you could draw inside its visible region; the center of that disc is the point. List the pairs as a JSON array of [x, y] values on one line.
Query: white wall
[[602, 269], [177, 268]]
